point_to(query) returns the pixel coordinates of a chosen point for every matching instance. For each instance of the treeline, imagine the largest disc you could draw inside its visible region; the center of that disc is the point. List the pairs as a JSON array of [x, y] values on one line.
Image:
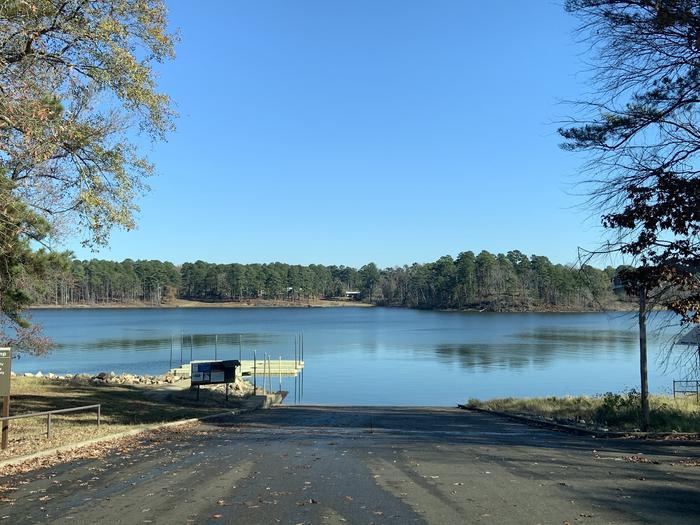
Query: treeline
[[496, 282], [99, 281], [484, 281]]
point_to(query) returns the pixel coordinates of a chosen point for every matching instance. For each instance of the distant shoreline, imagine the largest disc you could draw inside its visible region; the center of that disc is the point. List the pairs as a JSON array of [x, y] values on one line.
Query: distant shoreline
[[319, 303], [183, 303], [547, 309]]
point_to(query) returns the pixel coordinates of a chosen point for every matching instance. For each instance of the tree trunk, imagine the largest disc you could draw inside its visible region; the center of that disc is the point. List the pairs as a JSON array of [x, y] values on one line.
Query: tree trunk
[[643, 358]]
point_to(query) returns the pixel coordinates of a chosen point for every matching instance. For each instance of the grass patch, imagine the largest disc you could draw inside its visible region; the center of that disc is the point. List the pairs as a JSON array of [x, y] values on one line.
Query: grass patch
[[124, 407], [612, 411]]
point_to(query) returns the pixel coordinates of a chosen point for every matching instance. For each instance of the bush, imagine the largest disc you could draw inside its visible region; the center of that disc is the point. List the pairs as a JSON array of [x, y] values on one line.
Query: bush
[[619, 410]]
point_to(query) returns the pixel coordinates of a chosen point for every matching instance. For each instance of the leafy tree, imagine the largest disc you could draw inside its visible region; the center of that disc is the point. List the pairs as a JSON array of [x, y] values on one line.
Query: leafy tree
[[466, 272], [19, 225], [443, 280], [643, 135], [504, 282], [369, 274], [485, 274], [75, 74]]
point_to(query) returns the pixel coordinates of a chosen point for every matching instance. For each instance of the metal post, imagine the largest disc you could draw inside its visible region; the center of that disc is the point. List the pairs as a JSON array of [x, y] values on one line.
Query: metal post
[[48, 426], [269, 373], [280, 369], [264, 369], [302, 348], [295, 351], [269, 368], [5, 423], [171, 352], [190, 348], [216, 346], [181, 345], [99, 415], [6, 356], [255, 372]]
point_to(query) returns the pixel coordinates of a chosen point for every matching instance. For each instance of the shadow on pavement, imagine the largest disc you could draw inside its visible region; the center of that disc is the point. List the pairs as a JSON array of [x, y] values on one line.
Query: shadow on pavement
[[438, 425]]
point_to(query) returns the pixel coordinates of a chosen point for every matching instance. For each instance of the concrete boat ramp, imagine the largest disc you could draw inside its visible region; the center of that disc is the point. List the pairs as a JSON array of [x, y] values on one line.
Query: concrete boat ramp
[[361, 465]]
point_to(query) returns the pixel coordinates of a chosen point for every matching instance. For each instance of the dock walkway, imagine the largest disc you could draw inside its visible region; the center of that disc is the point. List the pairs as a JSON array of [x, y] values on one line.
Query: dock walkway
[[248, 367]]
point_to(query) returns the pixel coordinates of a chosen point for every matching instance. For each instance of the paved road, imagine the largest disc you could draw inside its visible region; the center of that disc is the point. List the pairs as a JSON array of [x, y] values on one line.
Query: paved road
[[335, 465]]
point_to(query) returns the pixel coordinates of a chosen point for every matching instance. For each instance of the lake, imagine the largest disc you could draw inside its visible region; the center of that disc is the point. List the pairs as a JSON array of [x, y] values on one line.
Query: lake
[[367, 355]]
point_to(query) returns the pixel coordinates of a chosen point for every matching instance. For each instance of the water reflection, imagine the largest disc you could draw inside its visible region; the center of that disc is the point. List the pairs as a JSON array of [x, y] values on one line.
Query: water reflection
[[177, 340], [481, 357], [364, 355], [585, 338]]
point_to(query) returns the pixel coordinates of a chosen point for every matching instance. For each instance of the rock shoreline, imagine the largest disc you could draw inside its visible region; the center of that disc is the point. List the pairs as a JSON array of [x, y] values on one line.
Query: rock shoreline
[[106, 378], [239, 388]]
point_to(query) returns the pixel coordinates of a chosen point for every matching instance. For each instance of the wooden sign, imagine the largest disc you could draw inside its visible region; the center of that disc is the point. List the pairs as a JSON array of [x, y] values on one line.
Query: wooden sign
[[5, 361]]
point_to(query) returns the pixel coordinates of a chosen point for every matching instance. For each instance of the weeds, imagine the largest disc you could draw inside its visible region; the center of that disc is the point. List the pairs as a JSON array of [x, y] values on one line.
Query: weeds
[[616, 411]]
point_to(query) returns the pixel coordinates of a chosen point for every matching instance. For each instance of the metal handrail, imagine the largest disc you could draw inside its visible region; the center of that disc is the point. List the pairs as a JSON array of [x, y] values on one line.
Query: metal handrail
[[49, 413], [687, 386], [57, 411]]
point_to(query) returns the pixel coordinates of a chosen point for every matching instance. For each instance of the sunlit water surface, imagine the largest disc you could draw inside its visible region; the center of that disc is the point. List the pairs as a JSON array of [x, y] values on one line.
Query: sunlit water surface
[[367, 355]]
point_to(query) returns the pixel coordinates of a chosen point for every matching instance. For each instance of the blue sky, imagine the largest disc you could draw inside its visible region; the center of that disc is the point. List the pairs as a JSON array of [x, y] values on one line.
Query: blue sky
[[341, 132]]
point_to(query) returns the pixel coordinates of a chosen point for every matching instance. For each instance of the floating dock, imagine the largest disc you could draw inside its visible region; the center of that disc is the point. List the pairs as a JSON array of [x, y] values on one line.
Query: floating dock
[[274, 367]]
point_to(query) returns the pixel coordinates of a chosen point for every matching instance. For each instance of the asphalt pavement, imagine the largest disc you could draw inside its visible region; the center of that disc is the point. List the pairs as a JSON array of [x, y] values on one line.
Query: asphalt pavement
[[363, 465]]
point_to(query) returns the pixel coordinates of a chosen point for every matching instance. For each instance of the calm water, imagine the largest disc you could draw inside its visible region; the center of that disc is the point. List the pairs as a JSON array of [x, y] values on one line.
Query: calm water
[[367, 355]]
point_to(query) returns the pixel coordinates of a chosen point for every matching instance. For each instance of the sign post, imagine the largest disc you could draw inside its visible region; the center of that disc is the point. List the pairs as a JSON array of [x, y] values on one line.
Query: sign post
[[5, 362]]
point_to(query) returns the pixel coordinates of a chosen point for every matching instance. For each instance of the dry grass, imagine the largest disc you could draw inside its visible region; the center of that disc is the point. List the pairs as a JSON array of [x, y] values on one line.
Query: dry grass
[[613, 411], [124, 407]]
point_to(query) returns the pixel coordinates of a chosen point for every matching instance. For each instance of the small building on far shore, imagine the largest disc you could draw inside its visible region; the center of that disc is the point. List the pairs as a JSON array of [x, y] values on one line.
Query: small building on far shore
[[352, 295]]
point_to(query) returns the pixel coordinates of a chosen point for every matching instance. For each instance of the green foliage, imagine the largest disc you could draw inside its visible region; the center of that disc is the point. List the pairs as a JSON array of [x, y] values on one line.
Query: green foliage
[[75, 76], [18, 225], [19, 264], [643, 136], [65, 149], [495, 282], [96, 281], [369, 275], [617, 409]]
